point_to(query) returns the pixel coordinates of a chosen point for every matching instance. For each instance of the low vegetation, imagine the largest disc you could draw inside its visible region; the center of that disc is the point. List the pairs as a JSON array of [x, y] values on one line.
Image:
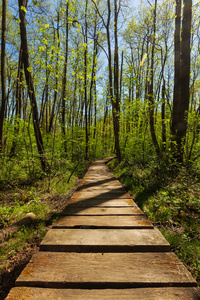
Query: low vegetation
[[170, 198], [41, 195]]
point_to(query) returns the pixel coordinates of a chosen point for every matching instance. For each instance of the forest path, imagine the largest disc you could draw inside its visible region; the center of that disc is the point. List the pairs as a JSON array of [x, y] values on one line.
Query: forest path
[[103, 247]]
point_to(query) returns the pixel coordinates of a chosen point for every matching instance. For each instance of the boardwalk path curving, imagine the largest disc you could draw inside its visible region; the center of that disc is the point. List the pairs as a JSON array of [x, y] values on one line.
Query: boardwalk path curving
[[103, 247]]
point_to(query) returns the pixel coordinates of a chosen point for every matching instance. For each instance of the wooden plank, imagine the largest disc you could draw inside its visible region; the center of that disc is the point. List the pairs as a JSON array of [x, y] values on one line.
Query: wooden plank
[[118, 193], [99, 185], [133, 222], [93, 178], [104, 240], [101, 202], [28, 293], [107, 182], [95, 211], [100, 195], [100, 188], [105, 270]]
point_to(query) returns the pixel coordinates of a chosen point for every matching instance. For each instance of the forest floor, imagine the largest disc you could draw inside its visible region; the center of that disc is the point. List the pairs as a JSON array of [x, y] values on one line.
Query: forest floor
[[17, 198], [171, 200], [16, 252]]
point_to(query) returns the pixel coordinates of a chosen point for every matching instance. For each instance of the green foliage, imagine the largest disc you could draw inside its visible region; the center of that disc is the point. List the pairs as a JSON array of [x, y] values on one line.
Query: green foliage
[[33, 192], [24, 204], [20, 241], [170, 198], [187, 248]]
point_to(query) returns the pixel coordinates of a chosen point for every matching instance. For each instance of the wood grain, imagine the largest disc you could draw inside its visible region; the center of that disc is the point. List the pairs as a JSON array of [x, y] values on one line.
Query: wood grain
[[105, 270]]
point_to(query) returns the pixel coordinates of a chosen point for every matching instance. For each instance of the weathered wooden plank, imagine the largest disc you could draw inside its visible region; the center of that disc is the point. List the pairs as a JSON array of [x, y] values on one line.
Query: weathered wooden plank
[[104, 193], [28, 293], [100, 188], [101, 202], [103, 222], [105, 270], [107, 182], [95, 211], [97, 185], [104, 240], [101, 171], [100, 177], [100, 195]]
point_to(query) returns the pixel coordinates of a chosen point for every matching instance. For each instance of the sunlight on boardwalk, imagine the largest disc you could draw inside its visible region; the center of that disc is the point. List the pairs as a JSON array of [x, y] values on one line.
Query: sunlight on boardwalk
[[103, 247]]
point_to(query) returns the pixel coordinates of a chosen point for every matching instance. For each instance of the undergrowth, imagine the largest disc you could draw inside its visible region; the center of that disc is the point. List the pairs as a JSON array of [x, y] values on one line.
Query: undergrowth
[[43, 195], [171, 199]]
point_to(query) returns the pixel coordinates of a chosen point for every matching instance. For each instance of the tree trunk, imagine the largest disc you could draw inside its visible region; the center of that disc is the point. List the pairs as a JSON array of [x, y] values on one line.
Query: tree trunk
[[85, 84], [18, 105], [64, 82], [52, 112], [181, 85], [150, 88], [177, 78], [121, 73], [116, 100], [3, 73], [95, 110], [94, 63], [29, 81], [116, 84], [185, 73], [163, 118]]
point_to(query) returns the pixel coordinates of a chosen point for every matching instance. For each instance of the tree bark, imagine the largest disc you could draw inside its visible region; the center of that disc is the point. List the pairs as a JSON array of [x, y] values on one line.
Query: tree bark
[[85, 83], [150, 88], [94, 63], [29, 81], [177, 77], [116, 100], [163, 118], [181, 83], [64, 82], [18, 105], [185, 73], [3, 73]]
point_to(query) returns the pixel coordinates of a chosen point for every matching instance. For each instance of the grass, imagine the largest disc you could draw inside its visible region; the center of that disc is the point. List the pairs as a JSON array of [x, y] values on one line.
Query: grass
[[44, 196], [171, 200], [21, 240]]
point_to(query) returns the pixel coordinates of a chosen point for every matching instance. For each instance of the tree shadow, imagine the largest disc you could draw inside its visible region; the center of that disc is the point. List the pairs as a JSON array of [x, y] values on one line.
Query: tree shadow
[[143, 196]]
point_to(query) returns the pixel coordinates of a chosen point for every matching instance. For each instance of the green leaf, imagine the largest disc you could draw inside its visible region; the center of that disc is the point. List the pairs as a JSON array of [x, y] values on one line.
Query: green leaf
[[29, 69], [23, 8]]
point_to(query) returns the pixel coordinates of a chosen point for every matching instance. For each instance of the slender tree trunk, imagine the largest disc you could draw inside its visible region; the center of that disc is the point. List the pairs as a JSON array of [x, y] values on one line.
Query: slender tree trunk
[[65, 80], [3, 73], [116, 100], [29, 81], [93, 71], [73, 111], [95, 110], [150, 87], [52, 111], [121, 73], [18, 104], [163, 117], [85, 83], [47, 102]]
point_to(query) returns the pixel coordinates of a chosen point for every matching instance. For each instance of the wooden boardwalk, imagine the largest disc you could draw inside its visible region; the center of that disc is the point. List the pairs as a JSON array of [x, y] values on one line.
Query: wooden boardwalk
[[103, 247]]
